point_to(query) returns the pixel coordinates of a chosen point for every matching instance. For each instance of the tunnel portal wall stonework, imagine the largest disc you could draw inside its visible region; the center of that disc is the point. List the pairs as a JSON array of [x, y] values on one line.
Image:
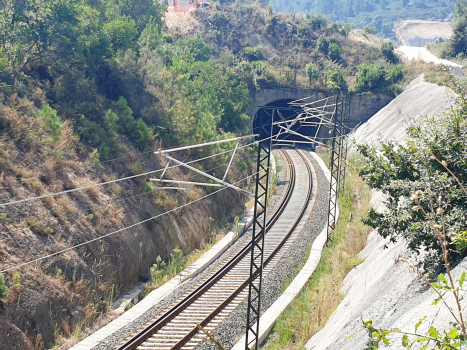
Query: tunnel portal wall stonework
[[363, 106]]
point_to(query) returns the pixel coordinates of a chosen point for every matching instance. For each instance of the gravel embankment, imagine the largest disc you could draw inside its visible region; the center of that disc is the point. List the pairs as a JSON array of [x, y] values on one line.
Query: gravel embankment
[[231, 330]]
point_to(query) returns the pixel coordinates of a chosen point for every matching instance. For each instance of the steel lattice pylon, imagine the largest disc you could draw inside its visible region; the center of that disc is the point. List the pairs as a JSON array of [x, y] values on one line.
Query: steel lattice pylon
[[335, 163], [332, 113], [344, 143], [259, 228]]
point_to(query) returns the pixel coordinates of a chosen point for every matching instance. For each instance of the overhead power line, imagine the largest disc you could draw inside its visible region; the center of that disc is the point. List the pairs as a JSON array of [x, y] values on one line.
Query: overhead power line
[[130, 177], [115, 232], [114, 201]]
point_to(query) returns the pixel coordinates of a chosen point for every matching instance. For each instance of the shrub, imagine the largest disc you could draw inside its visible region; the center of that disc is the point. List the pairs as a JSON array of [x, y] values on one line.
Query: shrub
[[323, 44], [254, 53], [369, 30], [16, 278], [370, 77], [387, 49], [52, 123], [394, 74], [93, 159], [3, 287], [312, 71], [424, 174], [334, 52], [336, 81]]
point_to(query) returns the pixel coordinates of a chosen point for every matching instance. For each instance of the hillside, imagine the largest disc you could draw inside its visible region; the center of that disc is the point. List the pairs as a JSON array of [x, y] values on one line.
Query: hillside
[[88, 90], [381, 14]]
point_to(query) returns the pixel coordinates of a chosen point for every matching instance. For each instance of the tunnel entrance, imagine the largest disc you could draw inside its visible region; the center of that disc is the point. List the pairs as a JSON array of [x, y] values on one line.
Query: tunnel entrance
[[281, 110]]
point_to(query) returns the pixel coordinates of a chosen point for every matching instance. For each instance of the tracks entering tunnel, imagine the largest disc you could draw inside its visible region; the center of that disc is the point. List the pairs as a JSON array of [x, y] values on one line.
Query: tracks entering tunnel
[[216, 296]]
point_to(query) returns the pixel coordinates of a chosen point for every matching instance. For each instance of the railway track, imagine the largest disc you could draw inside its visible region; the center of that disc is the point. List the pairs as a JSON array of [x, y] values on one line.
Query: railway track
[[213, 299]]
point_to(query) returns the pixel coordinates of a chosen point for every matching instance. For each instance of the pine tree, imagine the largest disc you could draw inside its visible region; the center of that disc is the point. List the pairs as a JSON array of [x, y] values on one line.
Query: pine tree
[[52, 123], [3, 287]]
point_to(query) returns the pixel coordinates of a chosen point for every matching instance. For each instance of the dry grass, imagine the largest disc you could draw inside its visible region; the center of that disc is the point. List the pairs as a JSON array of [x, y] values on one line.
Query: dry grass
[[194, 194], [312, 308], [164, 200], [34, 184], [93, 192], [60, 206]]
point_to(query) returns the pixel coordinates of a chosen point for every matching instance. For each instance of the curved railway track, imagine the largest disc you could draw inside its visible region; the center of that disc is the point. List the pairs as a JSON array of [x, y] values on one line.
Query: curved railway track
[[218, 295]]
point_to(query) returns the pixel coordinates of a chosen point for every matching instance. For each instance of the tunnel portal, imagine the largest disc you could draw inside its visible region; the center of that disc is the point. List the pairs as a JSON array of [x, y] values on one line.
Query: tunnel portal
[[281, 110]]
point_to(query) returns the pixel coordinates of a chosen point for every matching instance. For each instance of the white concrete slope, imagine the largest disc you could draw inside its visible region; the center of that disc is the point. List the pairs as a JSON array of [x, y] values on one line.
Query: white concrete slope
[[382, 288], [419, 98]]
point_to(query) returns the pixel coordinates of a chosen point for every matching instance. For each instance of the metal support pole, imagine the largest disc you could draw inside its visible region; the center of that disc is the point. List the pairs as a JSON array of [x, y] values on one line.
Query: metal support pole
[[231, 159], [206, 174], [334, 166], [259, 230], [345, 141]]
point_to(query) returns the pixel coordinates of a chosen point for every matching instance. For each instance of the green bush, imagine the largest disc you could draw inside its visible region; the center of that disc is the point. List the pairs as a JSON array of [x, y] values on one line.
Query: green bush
[[387, 49], [423, 180], [334, 52], [336, 81], [254, 53], [370, 77], [375, 77], [52, 123], [312, 71], [3, 287]]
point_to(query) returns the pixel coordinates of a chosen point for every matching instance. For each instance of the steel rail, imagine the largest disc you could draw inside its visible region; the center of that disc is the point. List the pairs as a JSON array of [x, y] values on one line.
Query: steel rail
[[168, 316]]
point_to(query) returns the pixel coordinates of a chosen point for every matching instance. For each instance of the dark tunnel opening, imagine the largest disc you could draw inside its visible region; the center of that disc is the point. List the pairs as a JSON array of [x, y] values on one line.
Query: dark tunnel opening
[[281, 111]]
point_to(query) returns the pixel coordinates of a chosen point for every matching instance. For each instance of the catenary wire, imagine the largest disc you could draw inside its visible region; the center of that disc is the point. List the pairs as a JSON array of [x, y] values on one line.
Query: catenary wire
[[118, 231], [118, 180], [113, 201]]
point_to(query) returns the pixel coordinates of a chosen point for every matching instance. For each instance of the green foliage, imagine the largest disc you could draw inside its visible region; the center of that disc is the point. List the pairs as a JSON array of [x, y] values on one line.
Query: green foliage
[[121, 32], [16, 278], [387, 49], [459, 38], [3, 287], [423, 176], [312, 71], [334, 52], [149, 187], [136, 130], [374, 77], [336, 81], [93, 159], [52, 123], [255, 53], [369, 30]]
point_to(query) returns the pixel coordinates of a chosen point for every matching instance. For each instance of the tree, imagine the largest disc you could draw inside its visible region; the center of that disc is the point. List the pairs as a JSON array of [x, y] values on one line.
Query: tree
[[142, 135], [3, 287], [459, 38], [424, 174], [121, 31], [312, 71], [323, 44], [334, 52], [387, 49], [336, 81], [52, 123]]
